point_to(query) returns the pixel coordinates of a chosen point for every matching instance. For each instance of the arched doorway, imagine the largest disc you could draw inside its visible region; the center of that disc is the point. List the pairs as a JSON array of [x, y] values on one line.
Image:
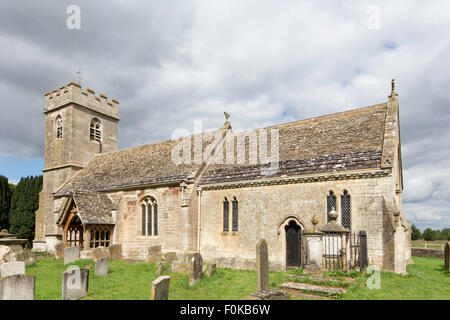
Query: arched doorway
[[74, 233], [293, 244]]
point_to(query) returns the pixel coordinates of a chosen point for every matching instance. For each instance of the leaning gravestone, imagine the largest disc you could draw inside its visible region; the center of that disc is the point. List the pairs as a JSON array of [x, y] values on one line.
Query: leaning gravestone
[[17, 287], [115, 252], [59, 250], [101, 266], [71, 254], [160, 288], [75, 283], [210, 269], [262, 265], [100, 252], [12, 268], [447, 256], [195, 274], [153, 254]]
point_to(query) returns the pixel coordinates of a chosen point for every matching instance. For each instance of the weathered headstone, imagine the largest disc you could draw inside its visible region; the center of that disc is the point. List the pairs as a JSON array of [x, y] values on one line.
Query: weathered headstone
[[180, 266], [101, 266], [195, 274], [262, 265], [75, 283], [210, 269], [99, 253], [115, 252], [71, 254], [27, 256], [160, 288], [159, 268], [12, 268], [17, 287], [447, 256], [4, 251], [153, 254], [169, 257], [59, 250]]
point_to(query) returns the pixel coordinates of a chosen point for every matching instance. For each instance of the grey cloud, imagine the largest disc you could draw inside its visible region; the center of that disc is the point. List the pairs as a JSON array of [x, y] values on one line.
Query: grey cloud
[[172, 62]]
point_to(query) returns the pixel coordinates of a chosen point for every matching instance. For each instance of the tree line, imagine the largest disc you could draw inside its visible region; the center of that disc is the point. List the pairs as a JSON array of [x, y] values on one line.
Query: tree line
[[430, 234], [18, 205]]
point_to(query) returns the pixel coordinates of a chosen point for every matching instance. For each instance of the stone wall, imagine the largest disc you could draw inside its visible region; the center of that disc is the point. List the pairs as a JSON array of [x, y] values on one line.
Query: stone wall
[[427, 252], [264, 210], [128, 230]]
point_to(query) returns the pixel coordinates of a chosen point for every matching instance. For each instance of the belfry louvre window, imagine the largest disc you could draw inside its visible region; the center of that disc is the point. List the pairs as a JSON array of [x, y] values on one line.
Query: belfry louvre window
[[59, 127], [331, 204], [235, 215], [149, 209], [95, 131], [346, 210], [226, 215]]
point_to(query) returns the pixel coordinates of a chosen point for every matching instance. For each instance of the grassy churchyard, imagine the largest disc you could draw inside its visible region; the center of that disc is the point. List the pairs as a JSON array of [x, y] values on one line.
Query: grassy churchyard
[[426, 280]]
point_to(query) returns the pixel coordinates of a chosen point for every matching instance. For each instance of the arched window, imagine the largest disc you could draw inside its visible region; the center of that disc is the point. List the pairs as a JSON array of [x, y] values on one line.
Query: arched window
[[149, 223], [226, 215], [331, 204], [59, 127], [95, 132], [345, 210], [235, 214]]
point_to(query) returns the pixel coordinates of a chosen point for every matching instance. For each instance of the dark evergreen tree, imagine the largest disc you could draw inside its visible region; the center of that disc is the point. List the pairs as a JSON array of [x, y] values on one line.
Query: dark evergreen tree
[[24, 203], [5, 202], [415, 233]]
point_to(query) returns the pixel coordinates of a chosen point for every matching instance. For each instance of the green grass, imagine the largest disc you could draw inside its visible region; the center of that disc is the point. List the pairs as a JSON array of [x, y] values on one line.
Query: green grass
[[426, 280]]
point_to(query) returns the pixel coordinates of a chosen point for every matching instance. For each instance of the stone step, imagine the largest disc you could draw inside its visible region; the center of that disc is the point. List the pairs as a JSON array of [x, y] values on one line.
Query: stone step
[[346, 280], [313, 288]]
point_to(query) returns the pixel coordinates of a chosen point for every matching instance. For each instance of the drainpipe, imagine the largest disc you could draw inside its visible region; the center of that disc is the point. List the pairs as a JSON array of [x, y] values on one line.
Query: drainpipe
[[199, 215]]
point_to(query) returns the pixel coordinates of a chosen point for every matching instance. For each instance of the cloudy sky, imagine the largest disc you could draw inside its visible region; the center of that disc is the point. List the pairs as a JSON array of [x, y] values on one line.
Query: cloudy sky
[[265, 62]]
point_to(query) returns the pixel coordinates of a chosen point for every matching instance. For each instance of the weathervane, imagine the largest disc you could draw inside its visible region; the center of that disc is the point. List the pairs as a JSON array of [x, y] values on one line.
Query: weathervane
[[79, 73]]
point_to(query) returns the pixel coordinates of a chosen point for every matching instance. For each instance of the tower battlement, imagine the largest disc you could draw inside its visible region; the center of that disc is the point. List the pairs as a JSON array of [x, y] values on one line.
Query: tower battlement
[[73, 93]]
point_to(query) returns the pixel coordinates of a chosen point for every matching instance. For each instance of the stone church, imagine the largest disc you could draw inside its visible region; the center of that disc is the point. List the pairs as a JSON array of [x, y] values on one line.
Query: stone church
[[348, 164]]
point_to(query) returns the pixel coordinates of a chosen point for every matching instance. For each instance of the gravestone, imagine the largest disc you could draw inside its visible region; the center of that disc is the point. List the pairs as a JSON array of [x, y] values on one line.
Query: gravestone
[[27, 256], [17, 287], [160, 288], [99, 253], [59, 250], [12, 268], [101, 266], [71, 254], [210, 269], [115, 252], [153, 254], [169, 257], [75, 283], [159, 268], [447, 256], [262, 265], [195, 274]]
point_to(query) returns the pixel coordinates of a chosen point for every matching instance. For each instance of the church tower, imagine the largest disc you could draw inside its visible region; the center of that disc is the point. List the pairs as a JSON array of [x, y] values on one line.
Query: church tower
[[78, 125]]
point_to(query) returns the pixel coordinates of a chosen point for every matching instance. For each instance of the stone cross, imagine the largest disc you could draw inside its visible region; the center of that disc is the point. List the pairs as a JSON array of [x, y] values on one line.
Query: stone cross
[[160, 288], [75, 283], [447, 256], [101, 266], [196, 271], [17, 287], [12, 268], [262, 265], [71, 254]]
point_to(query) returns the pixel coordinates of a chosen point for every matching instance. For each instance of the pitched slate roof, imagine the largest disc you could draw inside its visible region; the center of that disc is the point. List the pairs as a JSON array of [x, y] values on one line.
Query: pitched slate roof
[[92, 208], [148, 164], [343, 141]]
